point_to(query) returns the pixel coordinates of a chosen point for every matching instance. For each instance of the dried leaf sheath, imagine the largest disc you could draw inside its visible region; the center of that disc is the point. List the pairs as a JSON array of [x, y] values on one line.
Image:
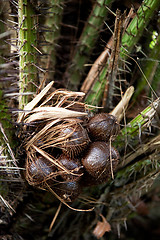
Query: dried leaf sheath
[[96, 69], [113, 64], [43, 130]]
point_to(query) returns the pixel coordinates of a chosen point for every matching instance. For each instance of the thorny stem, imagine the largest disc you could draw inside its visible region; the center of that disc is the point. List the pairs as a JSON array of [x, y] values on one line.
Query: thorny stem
[[8, 166], [151, 69], [133, 33], [27, 50], [122, 197], [5, 124], [134, 127], [137, 25], [87, 42], [53, 23], [151, 146], [5, 116], [114, 59]]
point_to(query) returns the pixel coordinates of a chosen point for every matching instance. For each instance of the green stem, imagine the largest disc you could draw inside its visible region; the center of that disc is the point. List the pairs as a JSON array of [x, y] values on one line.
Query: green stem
[[137, 169], [27, 50], [53, 23], [130, 38], [155, 82], [95, 96], [151, 70], [121, 197], [87, 42], [137, 26], [5, 117], [5, 120], [134, 127]]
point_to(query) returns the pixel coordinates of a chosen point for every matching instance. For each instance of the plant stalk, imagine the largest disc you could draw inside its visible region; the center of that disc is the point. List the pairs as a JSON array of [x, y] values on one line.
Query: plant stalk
[[53, 24], [27, 51], [87, 42], [130, 38]]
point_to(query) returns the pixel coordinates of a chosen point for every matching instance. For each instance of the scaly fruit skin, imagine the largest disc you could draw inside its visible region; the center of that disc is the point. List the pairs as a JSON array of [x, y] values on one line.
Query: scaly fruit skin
[[103, 127], [68, 191], [74, 166], [76, 140], [100, 161], [38, 171]]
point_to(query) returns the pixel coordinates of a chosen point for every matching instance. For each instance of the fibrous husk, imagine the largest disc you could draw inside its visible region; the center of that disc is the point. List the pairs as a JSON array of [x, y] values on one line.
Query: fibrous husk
[[43, 121]]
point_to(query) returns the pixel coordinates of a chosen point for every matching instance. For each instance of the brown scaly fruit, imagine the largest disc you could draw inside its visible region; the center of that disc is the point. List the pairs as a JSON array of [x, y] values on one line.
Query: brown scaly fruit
[[102, 127], [74, 166], [39, 171], [76, 139], [68, 191], [100, 161]]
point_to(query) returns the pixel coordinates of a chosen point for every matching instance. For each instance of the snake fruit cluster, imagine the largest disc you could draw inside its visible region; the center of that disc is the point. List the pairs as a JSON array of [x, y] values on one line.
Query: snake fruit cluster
[[84, 158]]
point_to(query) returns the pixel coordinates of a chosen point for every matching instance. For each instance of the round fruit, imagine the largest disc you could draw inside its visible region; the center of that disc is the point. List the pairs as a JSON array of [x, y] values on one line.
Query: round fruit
[[68, 191], [39, 170], [74, 167], [102, 127], [76, 139], [100, 160]]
